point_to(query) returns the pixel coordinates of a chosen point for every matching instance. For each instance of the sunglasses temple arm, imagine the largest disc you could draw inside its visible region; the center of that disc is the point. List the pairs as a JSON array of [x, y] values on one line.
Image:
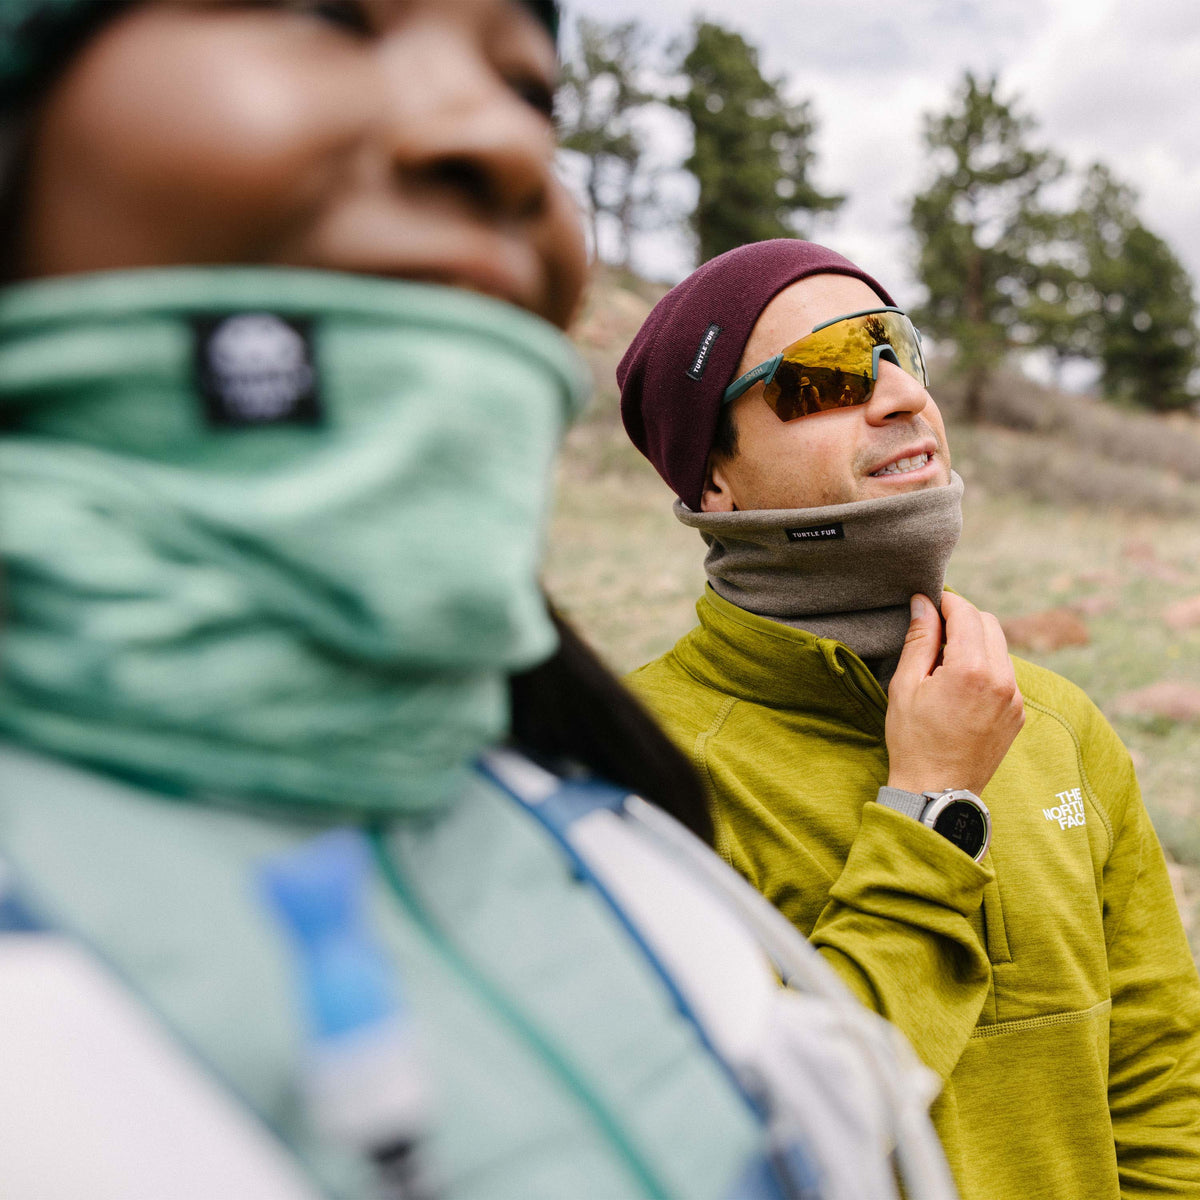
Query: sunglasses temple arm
[[764, 371]]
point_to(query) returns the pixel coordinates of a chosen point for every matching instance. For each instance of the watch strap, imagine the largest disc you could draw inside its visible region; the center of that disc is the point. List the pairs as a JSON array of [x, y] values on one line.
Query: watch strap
[[911, 804]]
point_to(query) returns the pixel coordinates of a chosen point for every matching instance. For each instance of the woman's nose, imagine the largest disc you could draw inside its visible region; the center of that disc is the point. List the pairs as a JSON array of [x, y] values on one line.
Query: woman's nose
[[455, 128]]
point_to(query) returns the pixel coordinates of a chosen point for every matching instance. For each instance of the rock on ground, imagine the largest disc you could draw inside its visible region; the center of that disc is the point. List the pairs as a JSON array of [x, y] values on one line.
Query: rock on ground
[[1183, 614], [1048, 630], [1167, 698]]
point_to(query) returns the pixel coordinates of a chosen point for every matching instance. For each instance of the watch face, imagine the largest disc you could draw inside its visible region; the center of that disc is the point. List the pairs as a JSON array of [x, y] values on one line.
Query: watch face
[[963, 824]]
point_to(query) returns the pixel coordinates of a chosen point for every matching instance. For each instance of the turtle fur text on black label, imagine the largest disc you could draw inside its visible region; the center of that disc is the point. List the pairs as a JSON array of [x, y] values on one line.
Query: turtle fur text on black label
[[700, 361], [255, 369], [817, 533]]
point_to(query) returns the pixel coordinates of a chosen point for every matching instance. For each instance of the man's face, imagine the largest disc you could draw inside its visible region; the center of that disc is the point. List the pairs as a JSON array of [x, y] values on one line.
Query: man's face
[[405, 138], [833, 457]]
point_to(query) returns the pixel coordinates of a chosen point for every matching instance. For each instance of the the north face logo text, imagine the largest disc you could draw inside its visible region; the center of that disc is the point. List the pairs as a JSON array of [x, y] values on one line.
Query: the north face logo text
[[1069, 809], [700, 361]]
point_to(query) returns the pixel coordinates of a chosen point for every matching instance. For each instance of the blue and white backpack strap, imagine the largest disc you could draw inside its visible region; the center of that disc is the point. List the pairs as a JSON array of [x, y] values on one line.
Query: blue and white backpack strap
[[830, 1077], [98, 1098], [903, 1086], [717, 976], [716, 973]]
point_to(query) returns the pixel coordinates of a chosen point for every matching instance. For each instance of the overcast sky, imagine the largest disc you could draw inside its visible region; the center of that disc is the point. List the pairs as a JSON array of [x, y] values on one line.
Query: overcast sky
[[1114, 80]]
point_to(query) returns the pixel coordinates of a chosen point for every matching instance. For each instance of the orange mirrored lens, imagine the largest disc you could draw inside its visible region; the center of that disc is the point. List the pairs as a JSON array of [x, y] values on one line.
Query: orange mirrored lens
[[833, 367], [800, 391]]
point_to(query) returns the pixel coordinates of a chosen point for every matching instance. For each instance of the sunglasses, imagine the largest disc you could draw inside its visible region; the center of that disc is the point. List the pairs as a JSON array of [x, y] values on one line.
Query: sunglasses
[[836, 365]]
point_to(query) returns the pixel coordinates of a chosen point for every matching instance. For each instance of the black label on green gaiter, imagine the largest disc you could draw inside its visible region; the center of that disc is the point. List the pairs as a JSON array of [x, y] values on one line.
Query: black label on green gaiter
[[255, 369]]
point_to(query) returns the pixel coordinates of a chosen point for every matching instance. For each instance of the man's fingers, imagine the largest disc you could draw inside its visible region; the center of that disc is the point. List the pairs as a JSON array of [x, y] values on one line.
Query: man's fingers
[[922, 643], [996, 645], [1003, 671], [965, 648]]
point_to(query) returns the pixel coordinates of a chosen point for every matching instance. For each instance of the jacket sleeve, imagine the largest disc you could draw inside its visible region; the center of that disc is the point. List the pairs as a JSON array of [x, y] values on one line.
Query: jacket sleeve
[[1154, 1034], [897, 928]]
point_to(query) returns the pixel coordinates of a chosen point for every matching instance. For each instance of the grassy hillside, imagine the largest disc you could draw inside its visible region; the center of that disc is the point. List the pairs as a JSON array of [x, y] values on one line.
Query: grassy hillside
[[1070, 506]]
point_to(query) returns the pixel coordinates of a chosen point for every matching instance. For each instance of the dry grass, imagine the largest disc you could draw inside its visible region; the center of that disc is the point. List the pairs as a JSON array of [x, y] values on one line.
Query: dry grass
[[1070, 449]]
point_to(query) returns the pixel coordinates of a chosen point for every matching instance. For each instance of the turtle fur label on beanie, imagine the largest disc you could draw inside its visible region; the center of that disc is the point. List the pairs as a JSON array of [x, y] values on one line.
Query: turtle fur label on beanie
[[846, 571], [696, 370]]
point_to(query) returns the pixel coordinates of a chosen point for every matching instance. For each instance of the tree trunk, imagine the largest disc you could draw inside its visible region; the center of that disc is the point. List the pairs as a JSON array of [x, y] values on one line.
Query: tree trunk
[[625, 221], [592, 188], [973, 397], [976, 367]]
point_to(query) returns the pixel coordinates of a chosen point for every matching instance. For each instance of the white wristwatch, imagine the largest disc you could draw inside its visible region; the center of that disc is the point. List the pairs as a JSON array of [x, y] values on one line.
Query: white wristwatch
[[957, 814]]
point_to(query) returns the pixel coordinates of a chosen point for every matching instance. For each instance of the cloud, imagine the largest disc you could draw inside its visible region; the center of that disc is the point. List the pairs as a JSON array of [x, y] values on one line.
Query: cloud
[[1118, 84]]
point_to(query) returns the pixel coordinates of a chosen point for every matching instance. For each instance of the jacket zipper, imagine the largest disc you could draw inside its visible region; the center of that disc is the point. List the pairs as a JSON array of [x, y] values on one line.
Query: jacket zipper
[[872, 696]]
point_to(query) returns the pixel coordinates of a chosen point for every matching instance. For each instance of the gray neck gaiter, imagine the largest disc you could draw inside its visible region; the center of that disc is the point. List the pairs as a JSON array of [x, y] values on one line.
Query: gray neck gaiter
[[845, 571]]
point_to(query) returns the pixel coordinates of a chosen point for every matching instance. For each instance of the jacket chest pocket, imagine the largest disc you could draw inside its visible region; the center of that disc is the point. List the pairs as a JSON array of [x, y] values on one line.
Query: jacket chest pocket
[[988, 923]]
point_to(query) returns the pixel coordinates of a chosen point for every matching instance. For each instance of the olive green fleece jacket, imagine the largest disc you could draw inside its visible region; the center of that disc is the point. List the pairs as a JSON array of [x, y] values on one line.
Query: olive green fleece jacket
[[1050, 985]]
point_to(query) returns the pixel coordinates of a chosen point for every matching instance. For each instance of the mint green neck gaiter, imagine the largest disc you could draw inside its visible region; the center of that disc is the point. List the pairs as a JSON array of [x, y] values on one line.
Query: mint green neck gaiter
[[269, 534]]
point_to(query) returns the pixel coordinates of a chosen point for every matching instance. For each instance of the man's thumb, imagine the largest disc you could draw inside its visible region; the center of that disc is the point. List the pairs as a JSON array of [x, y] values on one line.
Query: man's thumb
[[922, 643]]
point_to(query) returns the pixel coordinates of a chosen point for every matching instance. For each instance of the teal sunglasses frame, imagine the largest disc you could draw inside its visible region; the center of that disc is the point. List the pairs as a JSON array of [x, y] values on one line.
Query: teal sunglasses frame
[[765, 371]]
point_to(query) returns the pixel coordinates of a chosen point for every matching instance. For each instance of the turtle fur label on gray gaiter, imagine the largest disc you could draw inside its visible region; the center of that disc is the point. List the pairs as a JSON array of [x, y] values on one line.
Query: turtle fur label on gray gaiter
[[845, 571]]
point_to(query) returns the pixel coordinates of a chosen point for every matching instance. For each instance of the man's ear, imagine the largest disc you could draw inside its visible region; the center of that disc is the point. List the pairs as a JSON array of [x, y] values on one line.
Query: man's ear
[[717, 496]]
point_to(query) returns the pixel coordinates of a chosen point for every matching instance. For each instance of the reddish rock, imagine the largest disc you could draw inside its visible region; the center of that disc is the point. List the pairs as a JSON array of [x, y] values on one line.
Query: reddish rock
[[1094, 606], [1183, 614], [1163, 572], [1167, 698], [1139, 550], [1143, 555], [1048, 630]]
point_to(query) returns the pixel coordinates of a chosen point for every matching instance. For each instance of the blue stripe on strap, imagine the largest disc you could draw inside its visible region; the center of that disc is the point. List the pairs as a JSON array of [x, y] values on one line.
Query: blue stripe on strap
[[15, 915], [575, 799]]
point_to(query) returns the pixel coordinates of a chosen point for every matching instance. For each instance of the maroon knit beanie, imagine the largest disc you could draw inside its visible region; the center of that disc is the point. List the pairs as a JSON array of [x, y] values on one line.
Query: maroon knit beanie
[[685, 355]]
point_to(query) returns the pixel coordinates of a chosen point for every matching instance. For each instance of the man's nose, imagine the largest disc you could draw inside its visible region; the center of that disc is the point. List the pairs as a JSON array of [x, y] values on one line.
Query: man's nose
[[896, 394], [456, 130]]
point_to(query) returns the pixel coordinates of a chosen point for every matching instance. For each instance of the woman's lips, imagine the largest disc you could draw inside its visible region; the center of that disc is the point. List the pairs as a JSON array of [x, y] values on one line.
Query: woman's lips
[[478, 277], [504, 267]]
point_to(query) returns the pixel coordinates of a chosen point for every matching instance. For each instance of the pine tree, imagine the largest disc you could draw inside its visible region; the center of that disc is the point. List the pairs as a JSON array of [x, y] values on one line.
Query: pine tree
[[986, 240], [597, 104], [752, 149], [1141, 323]]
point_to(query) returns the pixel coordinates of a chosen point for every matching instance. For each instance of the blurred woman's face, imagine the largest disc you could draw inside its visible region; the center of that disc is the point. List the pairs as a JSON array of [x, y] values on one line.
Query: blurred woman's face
[[407, 138]]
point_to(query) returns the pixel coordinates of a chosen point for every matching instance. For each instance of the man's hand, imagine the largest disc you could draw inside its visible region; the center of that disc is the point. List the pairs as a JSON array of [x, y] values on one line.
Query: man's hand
[[952, 713]]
